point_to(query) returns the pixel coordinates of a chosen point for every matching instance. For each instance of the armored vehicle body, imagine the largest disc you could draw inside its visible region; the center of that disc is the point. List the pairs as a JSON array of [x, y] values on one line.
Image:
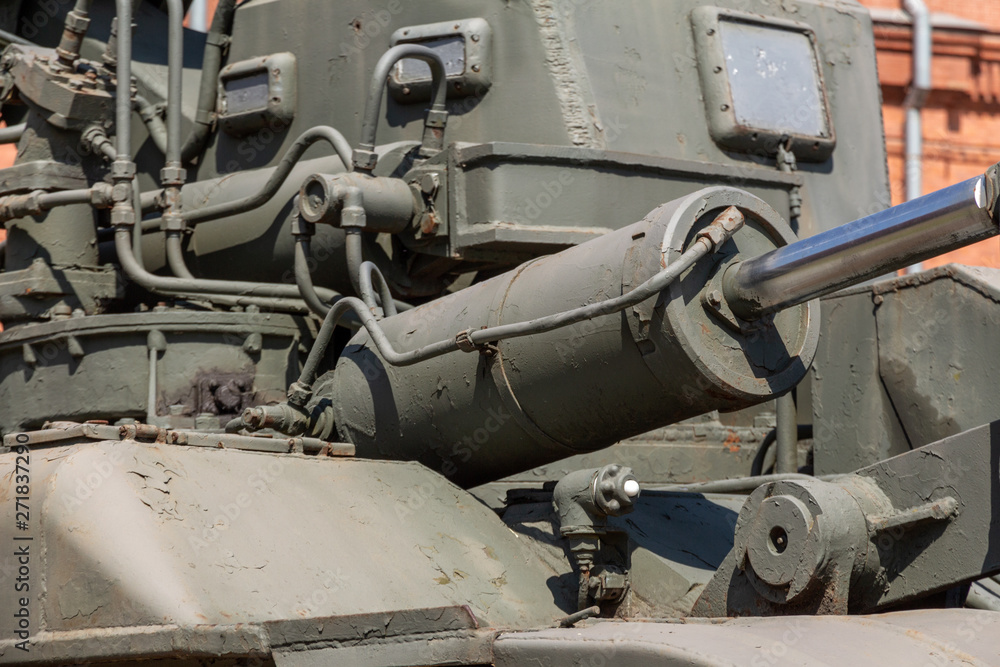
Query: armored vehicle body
[[492, 332]]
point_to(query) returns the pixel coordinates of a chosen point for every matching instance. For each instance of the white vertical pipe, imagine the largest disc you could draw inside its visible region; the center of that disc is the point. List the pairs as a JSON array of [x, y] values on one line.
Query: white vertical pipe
[[920, 86], [197, 19]]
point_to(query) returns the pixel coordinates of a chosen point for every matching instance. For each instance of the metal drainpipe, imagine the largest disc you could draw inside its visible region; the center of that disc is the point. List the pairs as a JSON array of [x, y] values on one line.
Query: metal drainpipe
[[916, 96]]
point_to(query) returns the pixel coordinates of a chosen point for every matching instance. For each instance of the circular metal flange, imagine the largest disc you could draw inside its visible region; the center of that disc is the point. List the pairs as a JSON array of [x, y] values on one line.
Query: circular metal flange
[[792, 536], [779, 543], [749, 362]]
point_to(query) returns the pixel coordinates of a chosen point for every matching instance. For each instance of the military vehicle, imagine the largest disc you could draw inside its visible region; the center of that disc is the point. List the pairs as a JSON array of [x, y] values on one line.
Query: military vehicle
[[492, 332]]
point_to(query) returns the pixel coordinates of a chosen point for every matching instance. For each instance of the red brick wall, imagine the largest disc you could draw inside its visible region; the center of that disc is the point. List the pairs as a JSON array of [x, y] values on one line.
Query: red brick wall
[[7, 154]]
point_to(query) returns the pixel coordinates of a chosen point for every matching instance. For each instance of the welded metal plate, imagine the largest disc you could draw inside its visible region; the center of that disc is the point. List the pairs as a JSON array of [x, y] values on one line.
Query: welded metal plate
[[927, 637]]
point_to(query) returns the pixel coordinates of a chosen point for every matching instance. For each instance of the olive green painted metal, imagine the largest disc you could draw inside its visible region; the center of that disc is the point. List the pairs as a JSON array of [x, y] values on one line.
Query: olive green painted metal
[[143, 533], [534, 403], [924, 352], [245, 375], [900, 638], [866, 541], [103, 367]]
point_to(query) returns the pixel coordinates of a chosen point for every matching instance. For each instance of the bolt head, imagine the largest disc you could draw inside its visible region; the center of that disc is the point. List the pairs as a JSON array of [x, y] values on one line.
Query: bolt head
[[429, 183]]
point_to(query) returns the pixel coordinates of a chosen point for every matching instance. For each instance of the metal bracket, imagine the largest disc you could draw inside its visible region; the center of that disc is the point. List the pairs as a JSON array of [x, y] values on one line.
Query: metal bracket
[[713, 299], [463, 339]]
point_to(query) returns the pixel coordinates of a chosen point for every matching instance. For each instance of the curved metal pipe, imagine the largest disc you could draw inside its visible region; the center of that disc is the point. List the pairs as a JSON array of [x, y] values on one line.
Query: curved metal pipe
[[12, 134], [154, 124], [211, 63], [369, 270], [207, 288], [654, 285], [350, 304], [231, 292], [760, 459], [11, 38], [353, 249], [173, 175], [291, 157], [700, 248], [373, 105], [303, 278], [175, 254], [223, 292]]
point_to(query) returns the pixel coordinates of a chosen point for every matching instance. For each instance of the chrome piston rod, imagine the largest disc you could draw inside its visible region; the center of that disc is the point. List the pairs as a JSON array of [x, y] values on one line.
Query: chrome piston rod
[[869, 247]]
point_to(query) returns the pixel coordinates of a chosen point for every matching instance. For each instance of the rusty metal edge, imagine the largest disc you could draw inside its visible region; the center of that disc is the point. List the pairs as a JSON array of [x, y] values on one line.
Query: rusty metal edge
[[455, 625]]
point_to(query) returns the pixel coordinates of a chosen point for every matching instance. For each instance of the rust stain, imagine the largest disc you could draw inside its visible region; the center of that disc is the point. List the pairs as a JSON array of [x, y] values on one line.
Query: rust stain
[[732, 441]]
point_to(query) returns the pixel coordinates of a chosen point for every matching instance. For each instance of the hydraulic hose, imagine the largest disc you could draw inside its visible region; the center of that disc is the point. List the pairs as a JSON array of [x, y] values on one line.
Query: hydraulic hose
[[208, 289], [303, 279], [275, 296], [154, 124], [224, 292], [175, 255], [654, 285], [11, 38], [34, 203], [760, 459], [369, 270], [290, 159], [211, 63], [12, 134], [368, 321], [365, 157], [353, 243], [728, 223]]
